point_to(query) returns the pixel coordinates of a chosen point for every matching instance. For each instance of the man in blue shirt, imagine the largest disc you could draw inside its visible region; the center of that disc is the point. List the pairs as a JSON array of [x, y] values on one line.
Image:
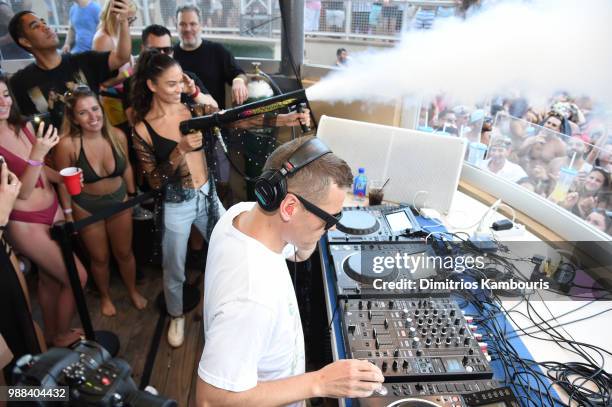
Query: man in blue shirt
[[84, 19]]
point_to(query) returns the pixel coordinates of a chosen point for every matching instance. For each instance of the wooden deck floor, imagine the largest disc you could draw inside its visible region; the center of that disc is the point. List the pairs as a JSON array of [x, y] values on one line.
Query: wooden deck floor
[[174, 372]]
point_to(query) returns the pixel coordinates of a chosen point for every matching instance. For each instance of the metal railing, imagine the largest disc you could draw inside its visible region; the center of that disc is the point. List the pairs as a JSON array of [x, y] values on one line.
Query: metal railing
[[348, 19]]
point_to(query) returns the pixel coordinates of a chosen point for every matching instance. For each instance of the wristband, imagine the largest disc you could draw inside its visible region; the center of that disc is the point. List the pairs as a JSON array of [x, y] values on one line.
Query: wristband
[[196, 93], [68, 211], [35, 163], [237, 78]]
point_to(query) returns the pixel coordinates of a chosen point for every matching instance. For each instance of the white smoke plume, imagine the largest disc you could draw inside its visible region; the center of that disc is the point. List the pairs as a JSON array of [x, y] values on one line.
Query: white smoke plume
[[536, 48]]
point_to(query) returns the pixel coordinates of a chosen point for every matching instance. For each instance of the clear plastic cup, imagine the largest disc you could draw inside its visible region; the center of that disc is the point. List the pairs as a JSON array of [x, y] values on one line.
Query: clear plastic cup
[[376, 192], [566, 178], [476, 153]]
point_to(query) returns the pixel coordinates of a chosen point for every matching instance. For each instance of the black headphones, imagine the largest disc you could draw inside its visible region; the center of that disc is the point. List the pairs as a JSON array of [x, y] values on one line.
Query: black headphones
[[271, 185]]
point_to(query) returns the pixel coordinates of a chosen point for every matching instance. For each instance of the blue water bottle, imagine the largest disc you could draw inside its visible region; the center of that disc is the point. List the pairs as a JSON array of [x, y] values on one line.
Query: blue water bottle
[[360, 186]]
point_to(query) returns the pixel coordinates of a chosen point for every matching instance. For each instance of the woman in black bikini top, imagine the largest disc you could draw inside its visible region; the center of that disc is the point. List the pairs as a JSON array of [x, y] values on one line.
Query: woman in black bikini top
[[90, 143]]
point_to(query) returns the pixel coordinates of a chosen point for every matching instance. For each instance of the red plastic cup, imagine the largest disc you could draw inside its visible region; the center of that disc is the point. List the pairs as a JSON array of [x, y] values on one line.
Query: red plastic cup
[[72, 179]]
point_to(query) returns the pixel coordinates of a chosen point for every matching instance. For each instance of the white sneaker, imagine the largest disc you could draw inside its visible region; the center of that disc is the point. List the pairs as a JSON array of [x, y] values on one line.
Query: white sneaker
[[176, 331]]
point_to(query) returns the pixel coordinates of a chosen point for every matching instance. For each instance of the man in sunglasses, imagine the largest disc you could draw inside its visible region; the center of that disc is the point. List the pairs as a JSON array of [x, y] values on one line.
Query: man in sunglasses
[[158, 37], [254, 344], [53, 73]]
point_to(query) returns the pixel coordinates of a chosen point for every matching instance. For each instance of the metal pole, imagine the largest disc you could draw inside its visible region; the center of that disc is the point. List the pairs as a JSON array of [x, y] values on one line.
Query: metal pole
[[292, 40], [145, 12], [62, 232]]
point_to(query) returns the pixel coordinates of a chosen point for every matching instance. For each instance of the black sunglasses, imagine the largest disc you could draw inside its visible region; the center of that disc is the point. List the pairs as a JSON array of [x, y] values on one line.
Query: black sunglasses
[[163, 50], [330, 220], [78, 89]]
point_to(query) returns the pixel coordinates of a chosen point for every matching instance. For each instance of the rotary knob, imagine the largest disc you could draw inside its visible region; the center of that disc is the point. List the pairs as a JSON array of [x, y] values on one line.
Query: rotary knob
[[407, 322]]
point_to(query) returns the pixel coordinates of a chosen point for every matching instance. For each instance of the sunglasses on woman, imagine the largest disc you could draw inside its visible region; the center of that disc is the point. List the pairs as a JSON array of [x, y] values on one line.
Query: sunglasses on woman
[[329, 219]]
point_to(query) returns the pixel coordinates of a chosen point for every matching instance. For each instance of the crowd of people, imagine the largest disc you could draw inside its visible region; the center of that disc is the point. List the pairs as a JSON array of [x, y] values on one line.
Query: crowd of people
[[561, 152], [386, 18], [155, 94], [299, 197]]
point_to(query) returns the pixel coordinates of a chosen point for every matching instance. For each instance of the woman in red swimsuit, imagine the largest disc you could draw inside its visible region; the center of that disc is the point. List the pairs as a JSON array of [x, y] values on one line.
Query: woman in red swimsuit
[[35, 211]]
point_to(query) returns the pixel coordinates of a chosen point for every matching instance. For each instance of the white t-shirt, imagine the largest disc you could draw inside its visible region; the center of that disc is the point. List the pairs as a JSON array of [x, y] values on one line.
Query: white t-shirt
[[510, 171], [252, 327]]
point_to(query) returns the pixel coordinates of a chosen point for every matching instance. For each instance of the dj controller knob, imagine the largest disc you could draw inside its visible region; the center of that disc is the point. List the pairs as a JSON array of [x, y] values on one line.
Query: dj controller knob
[[386, 323], [419, 352], [376, 343], [415, 342], [374, 334], [351, 329], [391, 304], [407, 322], [434, 331], [435, 312], [452, 313], [470, 351], [465, 361], [360, 305], [430, 321], [404, 312], [419, 387], [427, 342], [412, 332], [420, 323], [439, 321], [443, 331], [383, 367], [438, 341], [369, 304], [448, 341], [405, 364], [466, 341], [424, 332], [417, 312], [462, 330], [370, 315], [395, 365], [426, 312], [396, 353], [457, 321]]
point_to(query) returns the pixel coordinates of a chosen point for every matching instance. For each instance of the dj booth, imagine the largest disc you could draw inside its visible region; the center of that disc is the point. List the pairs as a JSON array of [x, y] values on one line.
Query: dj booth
[[428, 343]]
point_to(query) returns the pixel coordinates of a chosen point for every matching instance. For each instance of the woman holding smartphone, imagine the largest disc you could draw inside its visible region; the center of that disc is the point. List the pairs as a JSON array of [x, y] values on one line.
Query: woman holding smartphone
[[35, 211]]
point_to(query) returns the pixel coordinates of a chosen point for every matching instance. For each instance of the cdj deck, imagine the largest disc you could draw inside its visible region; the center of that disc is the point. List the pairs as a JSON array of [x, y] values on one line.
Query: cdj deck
[[420, 340]]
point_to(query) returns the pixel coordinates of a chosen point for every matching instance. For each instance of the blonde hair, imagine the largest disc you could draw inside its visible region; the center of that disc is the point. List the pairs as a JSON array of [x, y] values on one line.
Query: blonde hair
[[73, 130], [108, 22]]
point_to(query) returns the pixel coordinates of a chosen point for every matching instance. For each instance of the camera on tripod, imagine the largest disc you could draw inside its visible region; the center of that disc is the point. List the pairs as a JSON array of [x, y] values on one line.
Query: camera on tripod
[[92, 375]]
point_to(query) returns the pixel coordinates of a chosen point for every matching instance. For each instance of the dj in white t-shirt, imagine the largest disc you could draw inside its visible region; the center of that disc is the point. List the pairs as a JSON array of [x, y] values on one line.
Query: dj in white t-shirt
[[254, 345]]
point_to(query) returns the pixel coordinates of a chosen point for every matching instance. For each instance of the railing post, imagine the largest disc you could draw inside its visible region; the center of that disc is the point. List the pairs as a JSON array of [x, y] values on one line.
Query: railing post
[[62, 232]]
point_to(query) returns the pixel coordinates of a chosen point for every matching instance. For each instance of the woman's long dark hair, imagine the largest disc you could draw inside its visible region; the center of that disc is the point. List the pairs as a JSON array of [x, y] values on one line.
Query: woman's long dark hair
[[151, 64], [15, 119]]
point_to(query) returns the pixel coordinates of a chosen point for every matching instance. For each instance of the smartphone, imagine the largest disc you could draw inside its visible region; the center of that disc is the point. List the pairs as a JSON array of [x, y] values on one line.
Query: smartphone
[[36, 121]]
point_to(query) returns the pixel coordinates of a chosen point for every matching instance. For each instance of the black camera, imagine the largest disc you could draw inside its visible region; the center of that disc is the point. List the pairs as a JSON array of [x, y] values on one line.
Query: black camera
[[94, 378], [38, 119]]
